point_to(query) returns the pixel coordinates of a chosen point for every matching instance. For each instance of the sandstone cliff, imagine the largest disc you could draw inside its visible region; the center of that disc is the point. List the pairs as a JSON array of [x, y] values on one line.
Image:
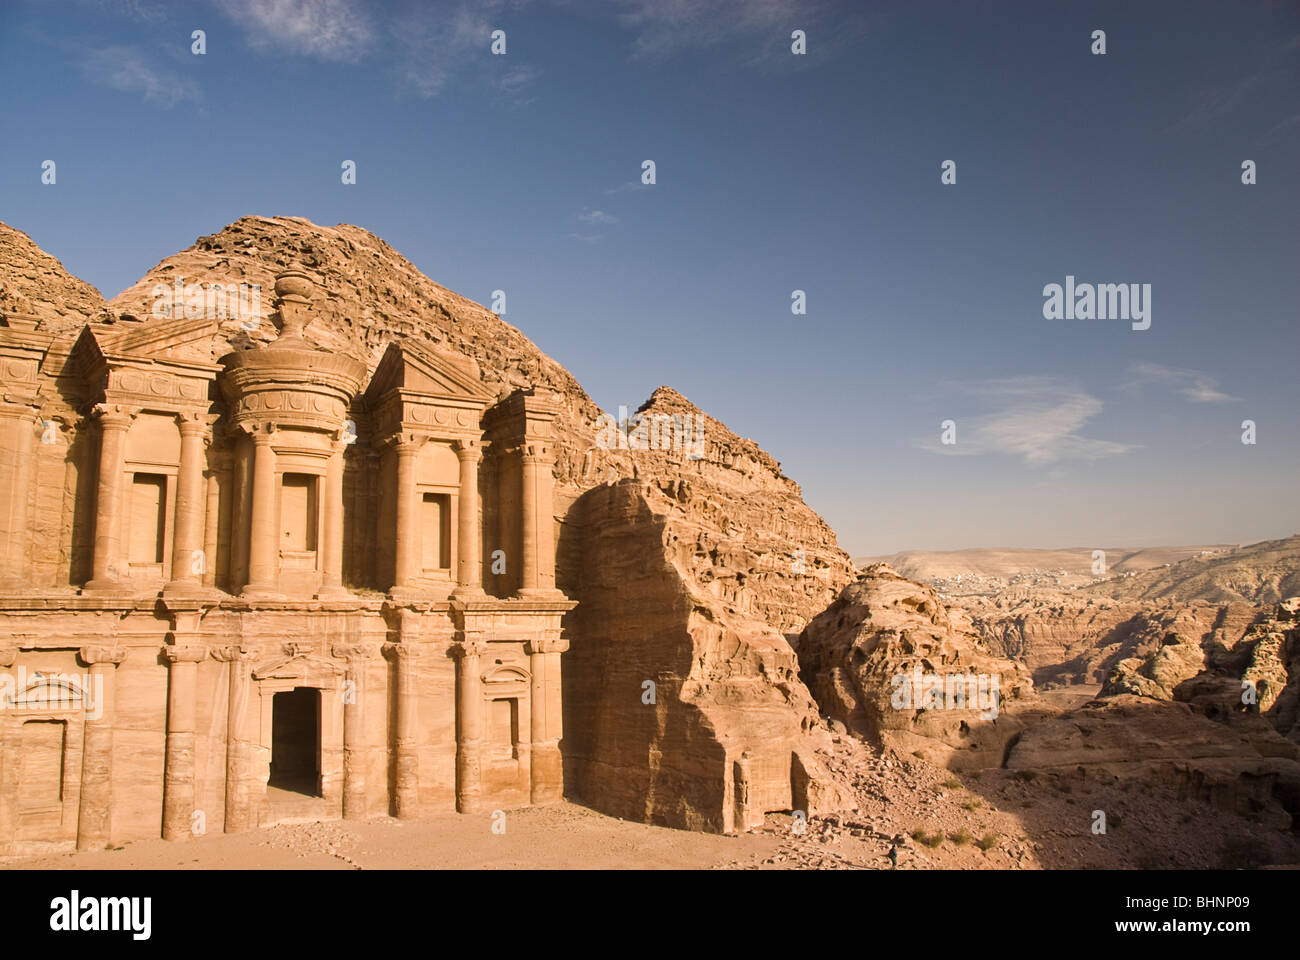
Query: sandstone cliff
[[33, 283], [859, 657], [1072, 639]]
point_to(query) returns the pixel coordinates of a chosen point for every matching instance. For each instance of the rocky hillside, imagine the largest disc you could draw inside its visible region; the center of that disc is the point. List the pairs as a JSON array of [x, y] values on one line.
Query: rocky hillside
[[1261, 573], [860, 655], [33, 283], [1069, 639]]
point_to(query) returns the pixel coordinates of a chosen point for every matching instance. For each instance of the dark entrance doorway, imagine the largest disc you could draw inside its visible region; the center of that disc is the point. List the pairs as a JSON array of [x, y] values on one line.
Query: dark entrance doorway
[[295, 741]]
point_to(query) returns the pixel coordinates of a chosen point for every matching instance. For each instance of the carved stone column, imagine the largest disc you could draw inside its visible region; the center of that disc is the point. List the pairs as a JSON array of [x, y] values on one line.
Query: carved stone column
[[406, 758], [263, 549], [109, 573], [354, 743], [17, 467], [405, 537], [332, 568], [191, 505], [547, 768], [214, 547], [10, 751], [95, 807], [469, 724], [238, 812], [178, 767], [469, 564], [537, 565], [241, 501]]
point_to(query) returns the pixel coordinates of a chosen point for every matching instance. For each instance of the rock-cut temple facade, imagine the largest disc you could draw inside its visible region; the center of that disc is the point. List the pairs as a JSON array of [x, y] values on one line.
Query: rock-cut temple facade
[[237, 589]]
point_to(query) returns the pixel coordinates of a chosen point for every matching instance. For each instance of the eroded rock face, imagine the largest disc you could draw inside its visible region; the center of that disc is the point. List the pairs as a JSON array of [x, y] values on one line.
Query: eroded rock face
[[861, 655], [1072, 639], [1159, 675], [33, 283], [688, 580], [1242, 766], [1184, 715]]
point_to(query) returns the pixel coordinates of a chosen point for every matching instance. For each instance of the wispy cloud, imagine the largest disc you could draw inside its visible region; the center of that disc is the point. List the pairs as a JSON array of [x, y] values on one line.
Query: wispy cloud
[[337, 30], [597, 216], [437, 41], [129, 70], [666, 27], [1038, 419], [1192, 385]]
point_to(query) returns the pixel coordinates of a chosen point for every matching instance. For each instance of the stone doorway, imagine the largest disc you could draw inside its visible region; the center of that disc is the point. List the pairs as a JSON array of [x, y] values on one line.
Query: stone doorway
[[295, 741]]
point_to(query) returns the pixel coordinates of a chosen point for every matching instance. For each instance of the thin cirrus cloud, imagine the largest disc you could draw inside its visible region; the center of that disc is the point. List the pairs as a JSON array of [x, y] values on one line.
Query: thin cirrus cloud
[[424, 44], [328, 29], [1194, 386], [665, 27], [1037, 419], [597, 216], [127, 69]]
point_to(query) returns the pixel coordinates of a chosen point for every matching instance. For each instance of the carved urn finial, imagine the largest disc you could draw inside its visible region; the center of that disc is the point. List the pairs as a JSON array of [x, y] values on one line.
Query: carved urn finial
[[293, 289]]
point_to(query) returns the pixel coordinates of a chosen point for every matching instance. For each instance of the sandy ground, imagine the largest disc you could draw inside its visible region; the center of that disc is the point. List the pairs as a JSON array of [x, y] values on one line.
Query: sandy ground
[[564, 836]]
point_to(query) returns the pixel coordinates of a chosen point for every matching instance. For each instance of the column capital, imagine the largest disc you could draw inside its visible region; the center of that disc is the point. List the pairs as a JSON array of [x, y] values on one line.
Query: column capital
[[469, 648], [194, 423], [404, 651], [98, 653], [231, 652], [7, 656], [117, 416], [190, 653], [10, 410], [468, 448], [538, 452], [407, 444], [547, 645], [355, 651]]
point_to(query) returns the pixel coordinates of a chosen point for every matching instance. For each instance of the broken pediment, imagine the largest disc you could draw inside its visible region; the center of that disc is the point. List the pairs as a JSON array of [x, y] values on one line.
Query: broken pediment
[[414, 367]]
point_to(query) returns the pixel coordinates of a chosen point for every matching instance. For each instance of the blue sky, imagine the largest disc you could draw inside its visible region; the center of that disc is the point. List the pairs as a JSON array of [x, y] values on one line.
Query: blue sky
[[775, 172]]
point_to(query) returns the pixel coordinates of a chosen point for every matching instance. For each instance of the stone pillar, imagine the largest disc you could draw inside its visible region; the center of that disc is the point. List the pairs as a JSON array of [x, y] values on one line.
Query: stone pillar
[[213, 549], [238, 812], [241, 490], [469, 735], [406, 758], [95, 806], [108, 572], [263, 549], [17, 467], [469, 563], [354, 743], [744, 810], [528, 505], [332, 507], [10, 752], [178, 767], [537, 565], [191, 505], [406, 536], [546, 774]]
